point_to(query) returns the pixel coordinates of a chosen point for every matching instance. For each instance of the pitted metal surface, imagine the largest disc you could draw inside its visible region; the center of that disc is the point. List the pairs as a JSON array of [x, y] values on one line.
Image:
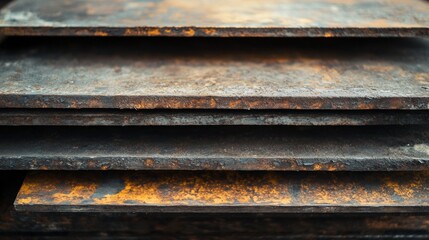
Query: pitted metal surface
[[334, 74], [376, 148], [225, 192], [223, 18]]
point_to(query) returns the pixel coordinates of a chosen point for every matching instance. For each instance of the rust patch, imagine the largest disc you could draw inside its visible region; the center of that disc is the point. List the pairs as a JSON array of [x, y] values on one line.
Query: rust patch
[[223, 190], [101, 34]]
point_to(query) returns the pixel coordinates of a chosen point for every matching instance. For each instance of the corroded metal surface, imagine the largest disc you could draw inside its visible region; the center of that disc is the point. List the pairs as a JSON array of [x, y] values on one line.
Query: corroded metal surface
[[216, 148], [225, 18], [215, 73], [83, 117], [225, 192], [115, 225]]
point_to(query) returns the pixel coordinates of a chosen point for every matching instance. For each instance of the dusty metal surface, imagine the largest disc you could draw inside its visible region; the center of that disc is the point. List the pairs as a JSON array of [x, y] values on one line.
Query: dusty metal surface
[[225, 18], [216, 148], [178, 191], [341, 74], [83, 117]]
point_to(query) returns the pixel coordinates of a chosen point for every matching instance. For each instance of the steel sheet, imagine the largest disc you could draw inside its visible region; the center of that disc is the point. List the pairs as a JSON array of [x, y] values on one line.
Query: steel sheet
[[224, 192], [223, 18], [216, 148], [312, 74]]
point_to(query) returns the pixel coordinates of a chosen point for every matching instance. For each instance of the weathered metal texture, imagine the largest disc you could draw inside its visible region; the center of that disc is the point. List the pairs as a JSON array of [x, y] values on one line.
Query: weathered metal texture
[[83, 117], [215, 73], [264, 226], [217, 148], [225, 18], [179, 191], [209, 226]]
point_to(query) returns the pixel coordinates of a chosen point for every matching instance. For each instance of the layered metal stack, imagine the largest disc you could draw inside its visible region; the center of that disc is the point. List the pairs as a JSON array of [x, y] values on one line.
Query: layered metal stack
[[276, 119]]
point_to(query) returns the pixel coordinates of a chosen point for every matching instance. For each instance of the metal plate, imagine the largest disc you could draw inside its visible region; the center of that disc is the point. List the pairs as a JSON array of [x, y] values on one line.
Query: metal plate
[[149, 73], [216, 148], [215, 225], [224, 192], [225, 18], [87, 117]]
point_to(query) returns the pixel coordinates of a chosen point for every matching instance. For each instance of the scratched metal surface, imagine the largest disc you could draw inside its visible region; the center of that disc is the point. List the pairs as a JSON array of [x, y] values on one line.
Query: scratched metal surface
[[90, 117], [225, 18], [149, 73], [180, 191], [374, 148]]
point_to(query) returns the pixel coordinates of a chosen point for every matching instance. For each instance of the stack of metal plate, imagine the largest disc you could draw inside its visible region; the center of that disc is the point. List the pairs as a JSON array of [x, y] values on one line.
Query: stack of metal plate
[[275, 119]]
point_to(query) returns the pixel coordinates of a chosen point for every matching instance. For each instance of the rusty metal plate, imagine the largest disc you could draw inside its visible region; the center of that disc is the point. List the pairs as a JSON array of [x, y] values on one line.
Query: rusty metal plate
[[216, 148], [86, 117], [263, 225], [225, 18], [341, 74], [179, 191]]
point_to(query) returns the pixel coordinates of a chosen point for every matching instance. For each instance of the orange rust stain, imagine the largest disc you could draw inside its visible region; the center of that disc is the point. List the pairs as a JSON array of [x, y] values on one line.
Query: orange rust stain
[[329, 34], [285, 105], [128, 32], [332, 192], [149, 162], [213, 103], [210, 31], [145, 105], [317, 167], [78, 193], [234, 103], [101, 34], [154, 32], [139, 106], [317, 105], [196, 189], [228, 188], [332, 168], [405, 189], [104, 167], [364, 106], [27, 200], [148, 194], [188, 32], [72, 192]]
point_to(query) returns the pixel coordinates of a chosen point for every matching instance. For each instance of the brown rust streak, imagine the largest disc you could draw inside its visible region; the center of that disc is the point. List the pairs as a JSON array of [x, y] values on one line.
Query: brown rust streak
[[227, 189]]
